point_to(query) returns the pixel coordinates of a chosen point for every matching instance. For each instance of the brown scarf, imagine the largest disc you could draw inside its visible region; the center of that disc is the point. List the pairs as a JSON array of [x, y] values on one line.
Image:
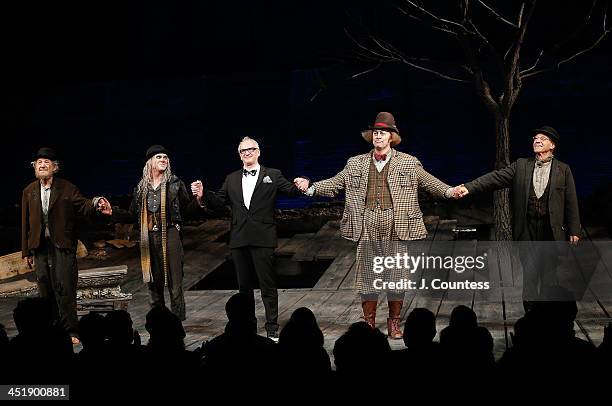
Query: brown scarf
[[145, 254]]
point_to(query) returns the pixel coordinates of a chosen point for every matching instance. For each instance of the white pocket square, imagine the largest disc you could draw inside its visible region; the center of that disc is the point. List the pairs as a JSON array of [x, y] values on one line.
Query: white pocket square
[[267, 180]]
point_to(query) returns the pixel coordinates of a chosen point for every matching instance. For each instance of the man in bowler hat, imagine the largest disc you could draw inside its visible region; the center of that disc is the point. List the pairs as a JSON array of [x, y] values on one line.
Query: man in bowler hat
[[544, 208], [49, 210]]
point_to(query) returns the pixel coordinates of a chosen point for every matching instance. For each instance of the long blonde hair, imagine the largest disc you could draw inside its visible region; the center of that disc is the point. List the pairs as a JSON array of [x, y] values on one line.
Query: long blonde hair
[[147, 176]]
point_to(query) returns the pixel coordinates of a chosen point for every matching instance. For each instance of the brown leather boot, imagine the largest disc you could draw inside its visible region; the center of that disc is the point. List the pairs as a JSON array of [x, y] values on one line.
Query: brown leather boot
[[369, 312], [393, 322]]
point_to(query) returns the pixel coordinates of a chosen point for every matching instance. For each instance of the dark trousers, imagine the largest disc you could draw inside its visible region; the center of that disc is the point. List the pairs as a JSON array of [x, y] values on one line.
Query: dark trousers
[[539, 259], [57, 275], [257, 263], [175, 258]]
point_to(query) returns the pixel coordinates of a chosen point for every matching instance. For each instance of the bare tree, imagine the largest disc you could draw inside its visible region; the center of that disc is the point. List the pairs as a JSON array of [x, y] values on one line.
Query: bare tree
[[491, 55]]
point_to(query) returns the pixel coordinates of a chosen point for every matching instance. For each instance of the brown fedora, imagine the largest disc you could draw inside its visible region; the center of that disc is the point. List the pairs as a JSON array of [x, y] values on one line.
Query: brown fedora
[[384, 121]]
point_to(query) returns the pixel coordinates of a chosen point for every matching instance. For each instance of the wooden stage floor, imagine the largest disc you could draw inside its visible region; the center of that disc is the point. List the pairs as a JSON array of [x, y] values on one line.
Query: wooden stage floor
[[333, 298]]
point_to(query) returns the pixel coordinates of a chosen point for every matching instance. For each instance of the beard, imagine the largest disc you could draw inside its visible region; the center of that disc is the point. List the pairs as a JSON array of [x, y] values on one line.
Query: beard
[[46, 175]]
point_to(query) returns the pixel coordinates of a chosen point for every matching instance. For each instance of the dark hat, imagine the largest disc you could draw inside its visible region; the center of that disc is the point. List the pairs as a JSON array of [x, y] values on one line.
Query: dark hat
[[47, 153], [549, 132], [384, 121], [154, 150]]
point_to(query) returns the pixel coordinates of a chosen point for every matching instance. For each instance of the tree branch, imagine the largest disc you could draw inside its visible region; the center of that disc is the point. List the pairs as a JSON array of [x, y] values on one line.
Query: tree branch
[[435, 17], [497, 15], [513, 77], [532, 72], [560, 44], [434, 26], [365, 72]]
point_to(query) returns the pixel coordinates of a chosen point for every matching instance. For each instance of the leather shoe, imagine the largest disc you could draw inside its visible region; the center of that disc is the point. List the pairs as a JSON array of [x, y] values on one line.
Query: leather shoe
[[273, 335]]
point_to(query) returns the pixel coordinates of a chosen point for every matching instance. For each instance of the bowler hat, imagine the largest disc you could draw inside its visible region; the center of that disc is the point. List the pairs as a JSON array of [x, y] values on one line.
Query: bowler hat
[[549, 132], [46, 152], [384, 121], [154, 150]]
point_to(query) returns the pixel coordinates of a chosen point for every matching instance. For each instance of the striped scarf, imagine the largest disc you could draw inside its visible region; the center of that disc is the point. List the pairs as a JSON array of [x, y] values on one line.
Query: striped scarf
[[145, 254]]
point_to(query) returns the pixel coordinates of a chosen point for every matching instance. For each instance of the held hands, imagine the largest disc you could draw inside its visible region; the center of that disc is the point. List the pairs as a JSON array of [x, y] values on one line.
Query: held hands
[[104, 206], [197, 189], [460, 192], [302, 184]]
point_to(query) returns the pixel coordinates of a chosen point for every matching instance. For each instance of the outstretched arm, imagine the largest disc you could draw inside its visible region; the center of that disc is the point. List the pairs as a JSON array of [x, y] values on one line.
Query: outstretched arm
[[209, 199], [330, 187], [289, 188], [433, 185], [494, 180]]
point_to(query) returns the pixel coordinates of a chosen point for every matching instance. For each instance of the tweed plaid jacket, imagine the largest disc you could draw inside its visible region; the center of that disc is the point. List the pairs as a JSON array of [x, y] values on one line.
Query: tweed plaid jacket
[[406, 176]]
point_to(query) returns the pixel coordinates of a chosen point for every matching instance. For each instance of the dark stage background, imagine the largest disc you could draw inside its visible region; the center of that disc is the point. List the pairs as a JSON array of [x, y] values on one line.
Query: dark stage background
[[101, 82]]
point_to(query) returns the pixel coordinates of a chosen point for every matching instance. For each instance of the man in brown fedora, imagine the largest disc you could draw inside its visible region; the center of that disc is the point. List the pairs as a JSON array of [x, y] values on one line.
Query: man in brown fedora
[[544, 208], [50, 207], [381, 208]]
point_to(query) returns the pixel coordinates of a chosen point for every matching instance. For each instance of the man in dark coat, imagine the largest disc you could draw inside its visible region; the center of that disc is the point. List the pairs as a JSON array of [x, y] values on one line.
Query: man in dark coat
[[160, 204], [251, 192], [50, 207], [544, 208]]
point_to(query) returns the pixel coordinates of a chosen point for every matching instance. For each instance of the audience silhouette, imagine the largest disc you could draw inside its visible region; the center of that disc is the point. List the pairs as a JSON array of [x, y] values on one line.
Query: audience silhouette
[[544, 348]]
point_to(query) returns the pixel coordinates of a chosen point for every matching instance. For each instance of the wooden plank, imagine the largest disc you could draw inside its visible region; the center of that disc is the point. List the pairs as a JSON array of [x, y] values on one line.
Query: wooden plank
[[203, 260], [337, 271], [208, 231], [327, 236], [335, 248], [12, 265], [313, 300], [281, 242], [294, 244], [488, 305], [17, 288], [428, 298]]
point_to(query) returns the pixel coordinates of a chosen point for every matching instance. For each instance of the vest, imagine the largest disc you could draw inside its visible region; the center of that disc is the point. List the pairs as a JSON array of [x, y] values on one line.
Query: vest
[[378, 194]]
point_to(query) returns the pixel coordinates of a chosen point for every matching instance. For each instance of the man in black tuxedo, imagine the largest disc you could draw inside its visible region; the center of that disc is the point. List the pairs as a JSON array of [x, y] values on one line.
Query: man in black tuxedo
[[251, 193]]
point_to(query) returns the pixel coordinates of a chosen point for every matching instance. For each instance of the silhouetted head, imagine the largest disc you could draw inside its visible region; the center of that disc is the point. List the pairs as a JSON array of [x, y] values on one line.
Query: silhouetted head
[[92, 330], [302, 330], [33, 315], [119, 327], [240, 309], [483, 340], [420, 328], [555, 319], [462, 317], [304, 316], [360, 348], [165, 328]]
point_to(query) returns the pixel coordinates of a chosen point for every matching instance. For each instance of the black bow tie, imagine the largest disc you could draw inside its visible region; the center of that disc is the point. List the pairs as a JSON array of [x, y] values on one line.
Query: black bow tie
[[246, 172]]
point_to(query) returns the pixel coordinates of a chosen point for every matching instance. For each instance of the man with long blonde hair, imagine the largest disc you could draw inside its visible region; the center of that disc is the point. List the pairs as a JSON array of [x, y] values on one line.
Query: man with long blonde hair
[[159, 205]]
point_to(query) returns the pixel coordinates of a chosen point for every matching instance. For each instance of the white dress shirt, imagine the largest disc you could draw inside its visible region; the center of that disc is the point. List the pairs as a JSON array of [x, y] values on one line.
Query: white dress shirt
[[45, 196], [541, 174], [248, 186]]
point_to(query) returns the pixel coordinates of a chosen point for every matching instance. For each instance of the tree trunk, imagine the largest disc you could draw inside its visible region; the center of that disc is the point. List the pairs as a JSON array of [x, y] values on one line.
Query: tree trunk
[[501, 198]]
